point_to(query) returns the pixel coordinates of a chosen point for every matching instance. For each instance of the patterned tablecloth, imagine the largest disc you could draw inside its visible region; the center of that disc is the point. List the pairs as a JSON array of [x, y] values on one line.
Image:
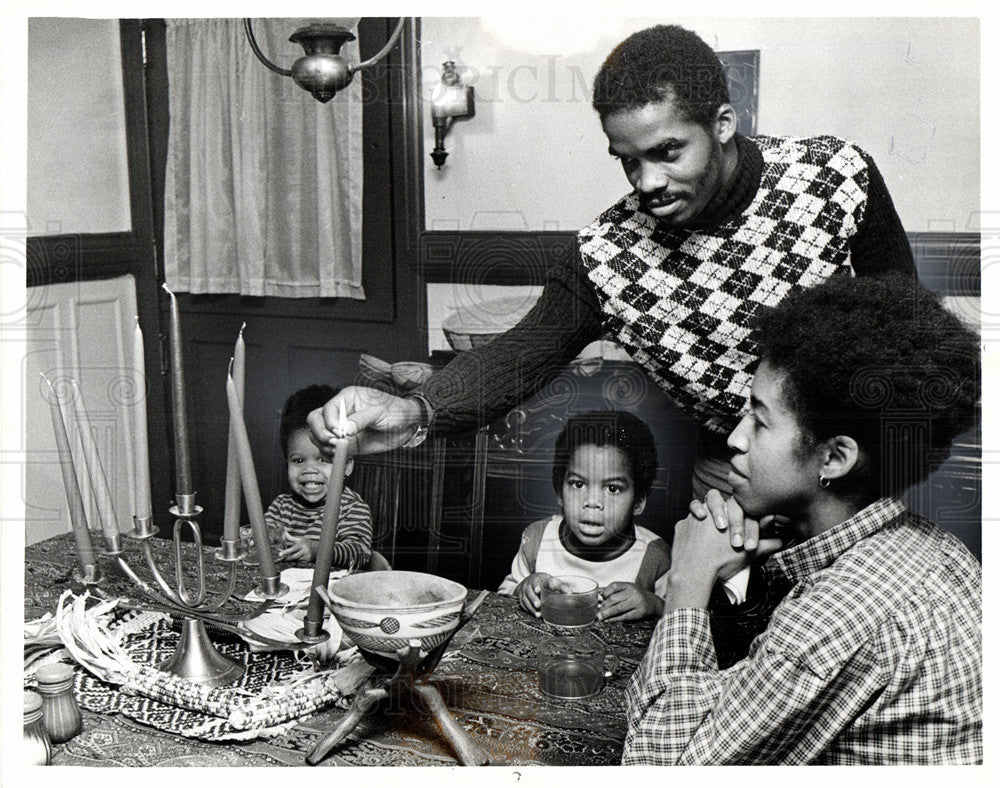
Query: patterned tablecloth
[[488, 680]]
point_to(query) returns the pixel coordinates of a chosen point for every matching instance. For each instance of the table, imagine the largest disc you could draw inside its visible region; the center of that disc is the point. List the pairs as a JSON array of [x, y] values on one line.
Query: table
[[487, 679]]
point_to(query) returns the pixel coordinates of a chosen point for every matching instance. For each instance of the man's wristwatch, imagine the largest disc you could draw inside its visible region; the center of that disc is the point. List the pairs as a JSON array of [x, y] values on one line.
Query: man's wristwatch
[[426, 416]]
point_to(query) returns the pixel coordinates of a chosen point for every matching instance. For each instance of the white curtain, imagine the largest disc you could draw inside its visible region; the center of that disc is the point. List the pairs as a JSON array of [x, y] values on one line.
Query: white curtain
[[263, 183]]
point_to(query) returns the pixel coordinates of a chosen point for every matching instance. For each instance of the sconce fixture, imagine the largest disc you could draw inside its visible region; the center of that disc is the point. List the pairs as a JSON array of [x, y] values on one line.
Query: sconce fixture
[[451, 99], [322, 70]]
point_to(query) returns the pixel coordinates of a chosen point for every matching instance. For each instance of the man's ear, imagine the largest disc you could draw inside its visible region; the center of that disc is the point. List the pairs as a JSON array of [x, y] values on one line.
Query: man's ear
[[349, 467], [841, 454], [725, 123], [639, 507]]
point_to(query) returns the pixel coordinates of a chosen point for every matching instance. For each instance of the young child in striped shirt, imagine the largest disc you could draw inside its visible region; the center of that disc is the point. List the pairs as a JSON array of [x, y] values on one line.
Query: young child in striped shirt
[[300, 512]]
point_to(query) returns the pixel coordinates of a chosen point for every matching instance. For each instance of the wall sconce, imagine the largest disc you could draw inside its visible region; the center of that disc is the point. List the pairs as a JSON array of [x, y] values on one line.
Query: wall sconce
[[450, 99], [322, 70]]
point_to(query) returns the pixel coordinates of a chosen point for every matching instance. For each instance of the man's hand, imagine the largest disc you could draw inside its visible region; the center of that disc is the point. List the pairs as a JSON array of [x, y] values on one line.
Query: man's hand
[[627, 602], [374, 421], [529, 592]]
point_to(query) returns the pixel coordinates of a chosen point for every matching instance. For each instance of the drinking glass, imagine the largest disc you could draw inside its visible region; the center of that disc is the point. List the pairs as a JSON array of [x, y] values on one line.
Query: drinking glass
[[569, 601], [574, 666]]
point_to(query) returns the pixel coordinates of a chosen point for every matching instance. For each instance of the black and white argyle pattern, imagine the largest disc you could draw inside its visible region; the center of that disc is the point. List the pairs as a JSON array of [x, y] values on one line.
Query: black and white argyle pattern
[[681, 302]]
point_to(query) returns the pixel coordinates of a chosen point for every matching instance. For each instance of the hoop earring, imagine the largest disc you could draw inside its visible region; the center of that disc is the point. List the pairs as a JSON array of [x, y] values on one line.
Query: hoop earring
[[823, 481]]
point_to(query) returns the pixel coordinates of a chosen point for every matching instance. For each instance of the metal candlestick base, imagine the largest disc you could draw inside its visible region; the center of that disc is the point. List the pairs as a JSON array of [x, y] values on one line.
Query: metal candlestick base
[[271, 587], [197, 660], [312, 632], [230, 551], [88, 575]]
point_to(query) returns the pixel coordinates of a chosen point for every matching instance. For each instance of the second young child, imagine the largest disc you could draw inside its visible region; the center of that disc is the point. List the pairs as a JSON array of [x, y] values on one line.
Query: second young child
[[602, 472], [300, 512]]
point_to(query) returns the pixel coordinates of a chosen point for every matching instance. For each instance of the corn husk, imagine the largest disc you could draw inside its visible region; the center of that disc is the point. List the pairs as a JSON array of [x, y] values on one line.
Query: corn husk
[[87, 636]]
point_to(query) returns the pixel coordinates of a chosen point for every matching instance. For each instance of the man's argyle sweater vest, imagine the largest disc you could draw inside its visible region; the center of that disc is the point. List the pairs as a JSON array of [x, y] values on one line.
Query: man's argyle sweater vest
[[681, 302]]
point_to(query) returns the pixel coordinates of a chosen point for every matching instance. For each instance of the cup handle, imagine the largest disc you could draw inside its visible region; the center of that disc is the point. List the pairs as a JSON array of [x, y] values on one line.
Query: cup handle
[[611, 665]]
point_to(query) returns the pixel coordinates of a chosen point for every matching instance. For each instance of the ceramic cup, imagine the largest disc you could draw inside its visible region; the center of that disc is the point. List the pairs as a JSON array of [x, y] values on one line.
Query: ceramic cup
[[569, 601]]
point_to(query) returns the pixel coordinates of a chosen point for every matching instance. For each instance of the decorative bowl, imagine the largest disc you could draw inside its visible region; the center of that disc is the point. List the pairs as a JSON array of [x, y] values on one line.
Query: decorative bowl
[[382, 612]]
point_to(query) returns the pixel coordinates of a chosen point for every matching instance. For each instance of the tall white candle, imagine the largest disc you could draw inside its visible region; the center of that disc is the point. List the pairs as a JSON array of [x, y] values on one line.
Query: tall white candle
[[231, 514], [140, 455], [181, 455], [95, 468], [77, 518], [328, 533], [251, 492]]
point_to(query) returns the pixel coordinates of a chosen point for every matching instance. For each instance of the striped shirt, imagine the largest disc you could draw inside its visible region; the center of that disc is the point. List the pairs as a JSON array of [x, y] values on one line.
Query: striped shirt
[[353, 545], [873, 657]]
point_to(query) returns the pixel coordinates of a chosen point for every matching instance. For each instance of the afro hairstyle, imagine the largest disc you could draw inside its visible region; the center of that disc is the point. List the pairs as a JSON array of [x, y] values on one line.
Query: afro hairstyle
[[881, 360], [608, 428], [662, 62], [298, 407]]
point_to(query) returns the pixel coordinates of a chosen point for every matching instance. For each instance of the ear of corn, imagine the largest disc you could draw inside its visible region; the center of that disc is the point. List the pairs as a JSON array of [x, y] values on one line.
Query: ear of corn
[[86, 636]]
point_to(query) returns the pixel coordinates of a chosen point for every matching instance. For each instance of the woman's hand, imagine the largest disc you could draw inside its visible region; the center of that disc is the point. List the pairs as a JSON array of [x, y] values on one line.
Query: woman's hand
[[627, 602], [701, 554], [374, 421], [744, 532], [728, 516], [529, 592]]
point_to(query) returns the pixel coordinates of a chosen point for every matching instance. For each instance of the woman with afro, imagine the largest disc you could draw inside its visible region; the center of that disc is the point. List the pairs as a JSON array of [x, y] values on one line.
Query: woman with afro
[[874, 653]]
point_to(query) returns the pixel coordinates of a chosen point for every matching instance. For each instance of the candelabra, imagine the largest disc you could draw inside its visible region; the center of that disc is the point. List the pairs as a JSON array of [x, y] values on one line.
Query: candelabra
[[195, 658]]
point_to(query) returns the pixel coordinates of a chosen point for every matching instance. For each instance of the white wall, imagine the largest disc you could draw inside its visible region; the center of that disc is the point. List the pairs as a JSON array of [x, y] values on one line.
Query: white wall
[[534, 157], [77, 164]]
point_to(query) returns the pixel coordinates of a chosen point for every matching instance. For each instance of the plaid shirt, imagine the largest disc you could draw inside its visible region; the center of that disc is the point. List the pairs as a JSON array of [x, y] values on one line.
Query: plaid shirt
[[874, 656]]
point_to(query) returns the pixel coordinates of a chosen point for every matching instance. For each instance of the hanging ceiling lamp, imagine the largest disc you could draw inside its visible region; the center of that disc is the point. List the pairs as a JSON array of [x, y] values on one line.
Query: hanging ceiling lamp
[[322, 70]]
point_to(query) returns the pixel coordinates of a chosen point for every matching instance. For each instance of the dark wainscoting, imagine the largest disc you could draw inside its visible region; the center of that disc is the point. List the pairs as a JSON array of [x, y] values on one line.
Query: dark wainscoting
[[947, 263]]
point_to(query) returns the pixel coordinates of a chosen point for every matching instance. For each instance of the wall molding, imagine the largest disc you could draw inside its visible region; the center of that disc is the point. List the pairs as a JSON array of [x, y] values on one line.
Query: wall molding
[[946, 262]]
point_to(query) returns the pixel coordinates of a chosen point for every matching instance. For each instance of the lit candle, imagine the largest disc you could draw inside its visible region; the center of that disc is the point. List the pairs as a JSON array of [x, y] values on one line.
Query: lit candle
[[328, 534], [84, 547], [231, 515], [251, 492], [95, 471], [140, 457], [181, 456]]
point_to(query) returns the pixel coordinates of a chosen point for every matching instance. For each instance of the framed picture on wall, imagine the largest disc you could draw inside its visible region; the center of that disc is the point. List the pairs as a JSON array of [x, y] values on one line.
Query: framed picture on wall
[[743, 74]]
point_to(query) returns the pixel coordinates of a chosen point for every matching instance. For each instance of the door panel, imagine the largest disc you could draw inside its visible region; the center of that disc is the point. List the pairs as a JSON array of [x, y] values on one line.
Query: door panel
[[79, 332]]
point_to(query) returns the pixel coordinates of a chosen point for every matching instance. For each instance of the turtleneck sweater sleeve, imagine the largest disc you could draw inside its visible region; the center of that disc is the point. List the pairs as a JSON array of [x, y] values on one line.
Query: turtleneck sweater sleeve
[[880, 245], [482, 384]]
